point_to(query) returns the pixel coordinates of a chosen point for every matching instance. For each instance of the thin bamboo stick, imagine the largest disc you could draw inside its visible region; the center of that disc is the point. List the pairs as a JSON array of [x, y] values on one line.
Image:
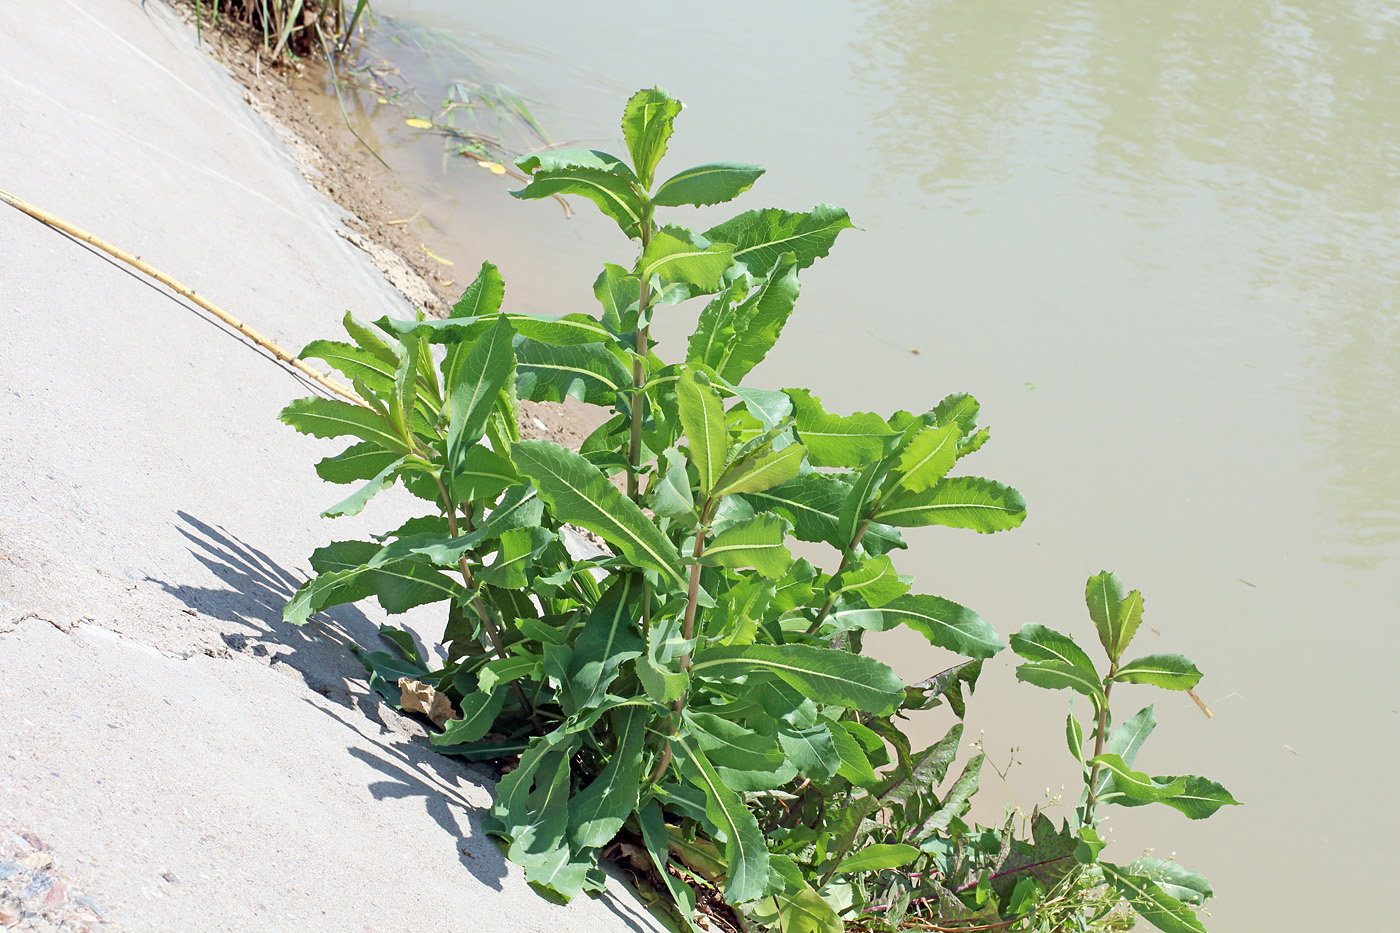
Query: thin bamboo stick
[[180, 288]]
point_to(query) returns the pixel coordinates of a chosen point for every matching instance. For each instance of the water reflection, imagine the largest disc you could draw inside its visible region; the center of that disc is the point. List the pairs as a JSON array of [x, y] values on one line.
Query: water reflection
[[1285, 118]]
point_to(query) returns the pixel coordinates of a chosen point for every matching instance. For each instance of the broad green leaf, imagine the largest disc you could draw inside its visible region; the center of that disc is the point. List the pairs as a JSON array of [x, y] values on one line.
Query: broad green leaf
[[591, 373], [654, 667], [506, 670], [539, 833], [1036, 642], [812, 502], [355, 503], [518, 549], [869, 741], [1153, 904], [946, 624], [806, 912], [614, 195], [874, 580], [759, 543], [1200, 798], [479, 712], [608, 638], [1168, 671], [520, 507], [486, 369], [811, 749], [744, 760], [855, 507], [354, 362], [1127, 737], [1074, 738], [678, 255], [1090, 844], [646, 125], [736, 330], [580, 494], [597, 812], [838, 440], [1056, 675], [982, 505], [761, 236], [1187, 886], [712, 183], [483, 297], [1136, 784], [1115, 616], [404, 396], [960, 409], [878, 857], [367, 338], [825, 675], [763, 471], [653, 823], [670, 495], [618, 291], [924, 461], [553, 160], [702, 418], [324, 417], [855, 766], [480, 475], [398, 585], [770, 407], [745, 848], [362, 461]]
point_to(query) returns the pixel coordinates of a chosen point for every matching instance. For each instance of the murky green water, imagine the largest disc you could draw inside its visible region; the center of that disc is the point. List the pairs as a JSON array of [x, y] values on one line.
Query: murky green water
[[1161, 243]]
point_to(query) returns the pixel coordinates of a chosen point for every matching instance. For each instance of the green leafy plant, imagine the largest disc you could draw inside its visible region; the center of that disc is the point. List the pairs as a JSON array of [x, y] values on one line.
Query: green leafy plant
[[690, 690]]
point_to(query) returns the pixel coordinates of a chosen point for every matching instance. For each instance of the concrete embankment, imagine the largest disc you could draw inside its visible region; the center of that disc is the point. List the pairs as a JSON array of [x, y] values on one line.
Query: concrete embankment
[[189, 762]]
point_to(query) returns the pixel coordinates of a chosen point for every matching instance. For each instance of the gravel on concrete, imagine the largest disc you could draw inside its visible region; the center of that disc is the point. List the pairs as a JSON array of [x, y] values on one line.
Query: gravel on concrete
[[194, 763]]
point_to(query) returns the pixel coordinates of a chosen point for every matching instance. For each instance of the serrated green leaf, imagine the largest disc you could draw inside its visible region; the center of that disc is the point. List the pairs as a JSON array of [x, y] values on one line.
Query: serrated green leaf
[[472, 393], [647, 121], [362, 461], [552, 160], [580, 494], [806, 912], [1036, 642], [1168, 671], [518, 550], [946, 624], [483, 297], [671, 495], [505, 670], [615, 196], [1116, 617], [811, 749], [481, 475], [759, 542], [813, 502], [1074, 738], [745, 848], [855, 765], [874, 580], [1153, 904], [356, 501], [618, 291], [712, 183], [737, 329], [1056, 675], [838, 440], [590, 373], [1200, 798], [702, 419], [1136, 784], [983, 505], [354, 362], [367, 338], [678, 255], [925, 460], [761, 236], [479, 712], [823, 674], [597, 812], [398, 585], [324, 417], [744, 759], [608, 638], [956, 803], [763, 471]]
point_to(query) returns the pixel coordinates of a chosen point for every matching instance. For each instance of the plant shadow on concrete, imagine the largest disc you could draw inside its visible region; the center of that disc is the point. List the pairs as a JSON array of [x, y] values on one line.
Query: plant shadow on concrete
[[692, 697]]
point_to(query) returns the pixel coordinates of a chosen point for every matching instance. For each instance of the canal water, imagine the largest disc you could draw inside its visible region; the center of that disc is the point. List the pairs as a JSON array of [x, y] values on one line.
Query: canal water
[[1159, 242]]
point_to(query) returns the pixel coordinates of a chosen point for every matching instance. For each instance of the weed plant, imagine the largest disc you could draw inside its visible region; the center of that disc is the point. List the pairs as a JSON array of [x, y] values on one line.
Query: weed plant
[[693, 692]]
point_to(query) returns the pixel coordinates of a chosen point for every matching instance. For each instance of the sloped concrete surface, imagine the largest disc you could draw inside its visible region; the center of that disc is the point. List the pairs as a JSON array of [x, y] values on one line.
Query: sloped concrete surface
[[157, 720]]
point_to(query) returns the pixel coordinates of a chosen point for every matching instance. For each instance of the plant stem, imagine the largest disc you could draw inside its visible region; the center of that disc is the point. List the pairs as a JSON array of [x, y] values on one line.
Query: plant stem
[[845, 561], [639, 370], [1100, 734]]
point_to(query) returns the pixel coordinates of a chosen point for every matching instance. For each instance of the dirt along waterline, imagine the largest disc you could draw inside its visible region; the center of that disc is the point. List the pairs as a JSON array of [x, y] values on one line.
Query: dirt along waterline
[[1161, 248]]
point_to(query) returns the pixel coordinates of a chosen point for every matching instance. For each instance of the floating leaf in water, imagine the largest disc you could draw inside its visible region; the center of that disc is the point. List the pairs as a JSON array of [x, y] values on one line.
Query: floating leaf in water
[[418, 123], [495, 168]]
